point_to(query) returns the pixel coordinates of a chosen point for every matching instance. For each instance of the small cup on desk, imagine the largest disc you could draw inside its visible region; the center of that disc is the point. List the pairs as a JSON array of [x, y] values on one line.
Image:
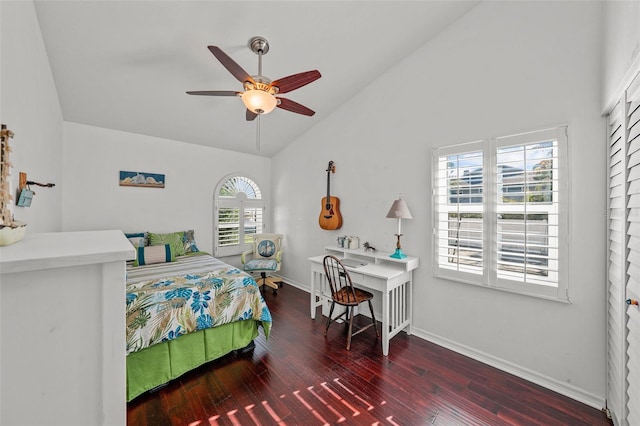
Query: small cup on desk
[[354, 243]]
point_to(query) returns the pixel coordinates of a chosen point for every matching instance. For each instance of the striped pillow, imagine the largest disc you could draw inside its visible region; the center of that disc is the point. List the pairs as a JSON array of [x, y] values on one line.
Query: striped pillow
[[154, 254]]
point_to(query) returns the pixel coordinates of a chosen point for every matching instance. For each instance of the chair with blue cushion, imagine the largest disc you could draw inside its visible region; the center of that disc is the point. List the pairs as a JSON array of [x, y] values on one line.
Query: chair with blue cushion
[[266, 257]]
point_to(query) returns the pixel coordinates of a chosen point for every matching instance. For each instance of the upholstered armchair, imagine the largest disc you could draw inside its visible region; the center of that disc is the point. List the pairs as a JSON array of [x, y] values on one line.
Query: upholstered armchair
[[264, 257]]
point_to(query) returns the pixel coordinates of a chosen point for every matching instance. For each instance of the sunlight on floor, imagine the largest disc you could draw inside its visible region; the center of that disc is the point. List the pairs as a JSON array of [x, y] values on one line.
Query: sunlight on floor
[[330, 403]]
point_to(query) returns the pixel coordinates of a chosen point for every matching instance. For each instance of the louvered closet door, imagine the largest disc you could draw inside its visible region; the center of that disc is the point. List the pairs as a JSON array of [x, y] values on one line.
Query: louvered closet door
[[633, 249], [616, 362]]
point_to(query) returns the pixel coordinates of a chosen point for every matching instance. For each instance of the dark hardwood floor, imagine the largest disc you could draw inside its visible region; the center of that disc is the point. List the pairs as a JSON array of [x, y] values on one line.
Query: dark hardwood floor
[[299, 377]]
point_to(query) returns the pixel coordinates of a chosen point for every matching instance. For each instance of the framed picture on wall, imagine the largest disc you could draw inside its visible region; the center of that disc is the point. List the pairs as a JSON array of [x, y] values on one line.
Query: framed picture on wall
[[141, 179]]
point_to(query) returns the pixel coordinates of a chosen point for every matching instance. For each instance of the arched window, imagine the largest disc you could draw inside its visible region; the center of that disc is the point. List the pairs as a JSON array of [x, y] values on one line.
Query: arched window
[[239, 213]]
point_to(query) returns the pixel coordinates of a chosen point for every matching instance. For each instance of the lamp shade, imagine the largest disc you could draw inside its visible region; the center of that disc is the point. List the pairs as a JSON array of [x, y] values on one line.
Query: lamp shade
[[259, 101], [399, 210]]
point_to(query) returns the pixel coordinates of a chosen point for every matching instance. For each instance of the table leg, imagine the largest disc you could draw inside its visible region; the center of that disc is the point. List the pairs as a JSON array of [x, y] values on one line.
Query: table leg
[[409, 328], [313, 295], [385, 323]]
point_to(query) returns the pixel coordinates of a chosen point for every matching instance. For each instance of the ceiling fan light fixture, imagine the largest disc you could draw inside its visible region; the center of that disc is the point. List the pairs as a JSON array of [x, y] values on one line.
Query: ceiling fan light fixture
[[259, 101]]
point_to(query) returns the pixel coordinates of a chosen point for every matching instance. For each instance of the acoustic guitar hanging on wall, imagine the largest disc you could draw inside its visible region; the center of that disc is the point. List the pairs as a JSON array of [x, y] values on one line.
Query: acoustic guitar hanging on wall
[[330, 218]]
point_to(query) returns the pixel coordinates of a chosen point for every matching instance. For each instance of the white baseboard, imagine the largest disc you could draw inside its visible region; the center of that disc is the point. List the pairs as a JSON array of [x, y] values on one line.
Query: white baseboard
[[303, 287], [547, 382]]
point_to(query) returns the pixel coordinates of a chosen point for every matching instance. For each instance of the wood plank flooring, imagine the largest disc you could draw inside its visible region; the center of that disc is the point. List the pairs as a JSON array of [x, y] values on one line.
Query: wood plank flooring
[[299, 377]]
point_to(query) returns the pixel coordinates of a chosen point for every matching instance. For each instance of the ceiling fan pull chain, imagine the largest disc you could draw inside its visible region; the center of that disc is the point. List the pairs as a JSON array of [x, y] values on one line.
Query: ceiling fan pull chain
[[258, 134]]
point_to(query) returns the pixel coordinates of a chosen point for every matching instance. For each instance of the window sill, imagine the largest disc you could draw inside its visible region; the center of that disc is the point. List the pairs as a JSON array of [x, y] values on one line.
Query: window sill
[[548, 297]]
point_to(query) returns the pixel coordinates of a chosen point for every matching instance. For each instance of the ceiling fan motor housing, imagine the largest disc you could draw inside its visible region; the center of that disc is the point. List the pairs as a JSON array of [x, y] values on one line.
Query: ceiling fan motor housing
[[259, 45], [260, 83]]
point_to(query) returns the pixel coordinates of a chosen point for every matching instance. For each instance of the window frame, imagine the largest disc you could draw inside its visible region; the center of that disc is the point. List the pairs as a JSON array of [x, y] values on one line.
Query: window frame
[[488, 275], [241, 202]]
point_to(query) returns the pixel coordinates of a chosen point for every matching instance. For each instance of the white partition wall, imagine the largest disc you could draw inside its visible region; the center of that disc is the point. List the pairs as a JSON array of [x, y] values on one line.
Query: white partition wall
[[63, 329]]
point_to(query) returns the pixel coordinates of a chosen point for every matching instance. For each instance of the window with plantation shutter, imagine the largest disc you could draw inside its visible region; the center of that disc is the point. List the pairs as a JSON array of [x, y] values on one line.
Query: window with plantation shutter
[[239, 211], [499, 217]]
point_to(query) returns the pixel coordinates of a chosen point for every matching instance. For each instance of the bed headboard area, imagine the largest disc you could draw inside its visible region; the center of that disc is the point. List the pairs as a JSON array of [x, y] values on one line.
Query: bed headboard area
[[161, 248]]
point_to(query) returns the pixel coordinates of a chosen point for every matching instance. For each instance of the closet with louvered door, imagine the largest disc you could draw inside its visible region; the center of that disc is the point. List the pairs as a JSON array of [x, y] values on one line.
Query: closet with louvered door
[[623, 293], [633, 250], [616, 335]]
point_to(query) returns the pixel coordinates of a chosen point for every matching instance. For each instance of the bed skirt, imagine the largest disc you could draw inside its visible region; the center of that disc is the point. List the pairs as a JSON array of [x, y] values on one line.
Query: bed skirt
[[158, 364]]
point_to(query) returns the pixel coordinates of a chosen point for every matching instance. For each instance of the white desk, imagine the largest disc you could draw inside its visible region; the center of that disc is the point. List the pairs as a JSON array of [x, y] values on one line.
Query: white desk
[[392, 277]]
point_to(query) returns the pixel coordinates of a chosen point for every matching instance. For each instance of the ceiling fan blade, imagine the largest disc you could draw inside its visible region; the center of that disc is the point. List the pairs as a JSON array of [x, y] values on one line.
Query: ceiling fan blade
[[251, 115], [295, 81], [292, 106], [214, 92], [232, 66]]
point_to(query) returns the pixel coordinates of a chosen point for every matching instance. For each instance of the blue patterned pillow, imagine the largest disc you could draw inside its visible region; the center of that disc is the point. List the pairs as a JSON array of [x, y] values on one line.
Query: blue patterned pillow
[[189, 242]]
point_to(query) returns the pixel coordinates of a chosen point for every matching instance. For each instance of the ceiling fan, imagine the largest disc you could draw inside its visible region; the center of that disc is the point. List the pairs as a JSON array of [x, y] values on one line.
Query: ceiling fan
[[260, 93]]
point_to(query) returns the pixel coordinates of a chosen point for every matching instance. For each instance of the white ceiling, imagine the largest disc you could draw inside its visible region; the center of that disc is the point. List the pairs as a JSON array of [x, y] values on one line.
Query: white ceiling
[[126, 65]]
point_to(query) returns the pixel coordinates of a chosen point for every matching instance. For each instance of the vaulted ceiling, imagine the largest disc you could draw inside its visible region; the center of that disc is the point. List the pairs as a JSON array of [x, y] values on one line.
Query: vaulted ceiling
[[126, 65]]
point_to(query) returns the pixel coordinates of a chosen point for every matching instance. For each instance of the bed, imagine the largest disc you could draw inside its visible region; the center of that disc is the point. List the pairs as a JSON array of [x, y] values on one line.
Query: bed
[[185, 312]]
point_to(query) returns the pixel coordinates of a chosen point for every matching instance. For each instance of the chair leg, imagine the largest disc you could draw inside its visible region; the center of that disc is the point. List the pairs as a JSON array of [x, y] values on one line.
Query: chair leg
[[333, 305], [350, 308], [373, 317], [267, 282], [263, 276]]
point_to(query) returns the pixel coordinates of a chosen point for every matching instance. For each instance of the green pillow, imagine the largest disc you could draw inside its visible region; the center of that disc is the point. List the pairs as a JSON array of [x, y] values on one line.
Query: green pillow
[[174, 239]]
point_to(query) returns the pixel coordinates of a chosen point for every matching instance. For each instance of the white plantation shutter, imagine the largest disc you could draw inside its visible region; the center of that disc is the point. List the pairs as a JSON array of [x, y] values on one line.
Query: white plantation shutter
[[239, 214], [528, 210], [252, 222], [616, 363], [459, 228], [633, 248], [228, 225], [500, 213]]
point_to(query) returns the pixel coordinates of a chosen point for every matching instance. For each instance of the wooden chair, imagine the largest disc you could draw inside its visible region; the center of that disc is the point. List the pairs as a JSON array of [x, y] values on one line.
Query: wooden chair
[[345, 294]]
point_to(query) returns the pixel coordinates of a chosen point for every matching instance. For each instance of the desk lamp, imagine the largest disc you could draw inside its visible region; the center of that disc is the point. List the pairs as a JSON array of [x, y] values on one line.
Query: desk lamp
[[399, 210]]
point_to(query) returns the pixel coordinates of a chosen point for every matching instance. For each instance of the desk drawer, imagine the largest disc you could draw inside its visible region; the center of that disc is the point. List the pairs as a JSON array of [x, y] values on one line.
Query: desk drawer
[[367, 282], [357, 278]]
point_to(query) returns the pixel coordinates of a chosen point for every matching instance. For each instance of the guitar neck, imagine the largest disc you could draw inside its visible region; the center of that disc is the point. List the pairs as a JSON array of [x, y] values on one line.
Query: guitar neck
[[328, 205]]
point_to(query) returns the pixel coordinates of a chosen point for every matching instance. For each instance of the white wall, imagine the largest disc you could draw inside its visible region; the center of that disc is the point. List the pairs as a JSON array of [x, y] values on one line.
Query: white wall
[[621, 47], [93, 199], [503, 68], [29, 107]]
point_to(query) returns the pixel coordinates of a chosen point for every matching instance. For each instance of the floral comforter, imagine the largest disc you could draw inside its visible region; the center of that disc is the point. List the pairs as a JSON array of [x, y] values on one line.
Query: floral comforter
[[165, 301]]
